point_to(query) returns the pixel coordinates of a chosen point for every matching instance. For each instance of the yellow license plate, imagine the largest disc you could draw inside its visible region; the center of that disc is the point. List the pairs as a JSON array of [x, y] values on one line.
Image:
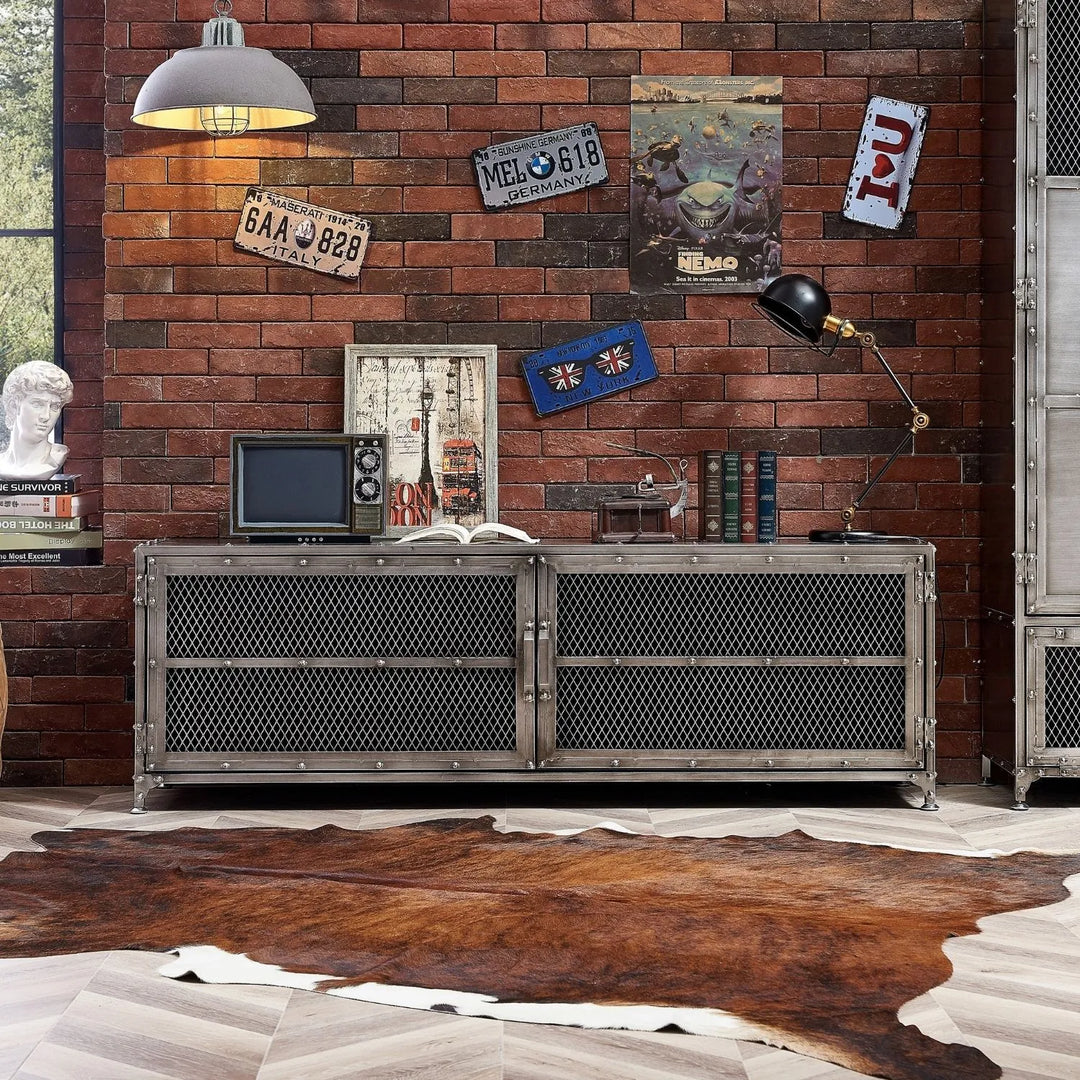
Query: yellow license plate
[[300, 234]]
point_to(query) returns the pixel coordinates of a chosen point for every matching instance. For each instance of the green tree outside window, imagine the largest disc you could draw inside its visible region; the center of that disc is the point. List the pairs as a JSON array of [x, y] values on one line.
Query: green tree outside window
[[27, 237]]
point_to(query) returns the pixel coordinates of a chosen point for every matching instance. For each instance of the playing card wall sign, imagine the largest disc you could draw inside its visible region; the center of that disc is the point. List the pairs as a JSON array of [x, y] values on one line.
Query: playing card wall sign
[[589, 368], [885, 160]]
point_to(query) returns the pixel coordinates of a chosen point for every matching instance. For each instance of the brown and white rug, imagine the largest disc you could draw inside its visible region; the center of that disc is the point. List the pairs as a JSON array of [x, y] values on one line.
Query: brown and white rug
[[808, 944]]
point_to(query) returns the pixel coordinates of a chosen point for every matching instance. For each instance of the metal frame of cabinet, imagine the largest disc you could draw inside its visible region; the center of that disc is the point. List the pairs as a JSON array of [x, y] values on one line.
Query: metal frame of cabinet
[[277, 663], [1039, 617]]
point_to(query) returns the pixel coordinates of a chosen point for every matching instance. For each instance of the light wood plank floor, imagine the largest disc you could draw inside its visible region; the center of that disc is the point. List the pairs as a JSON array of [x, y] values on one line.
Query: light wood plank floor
[[1015, 991]]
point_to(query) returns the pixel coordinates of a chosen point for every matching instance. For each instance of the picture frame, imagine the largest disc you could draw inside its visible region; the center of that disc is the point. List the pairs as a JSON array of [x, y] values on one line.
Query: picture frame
[[438, 406]]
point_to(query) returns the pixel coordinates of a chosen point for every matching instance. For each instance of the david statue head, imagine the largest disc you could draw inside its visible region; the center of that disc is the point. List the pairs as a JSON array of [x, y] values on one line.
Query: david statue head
[[34, 393]]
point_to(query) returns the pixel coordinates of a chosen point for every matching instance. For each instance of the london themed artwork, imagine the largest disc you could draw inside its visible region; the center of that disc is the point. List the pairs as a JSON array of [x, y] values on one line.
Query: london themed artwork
[[589, 368], [437, 405], [706, 162], [888, 151]]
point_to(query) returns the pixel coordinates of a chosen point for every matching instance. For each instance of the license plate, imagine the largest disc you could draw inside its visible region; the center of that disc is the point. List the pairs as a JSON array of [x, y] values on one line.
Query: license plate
[[885, 160], [540, 166], [300, 234]]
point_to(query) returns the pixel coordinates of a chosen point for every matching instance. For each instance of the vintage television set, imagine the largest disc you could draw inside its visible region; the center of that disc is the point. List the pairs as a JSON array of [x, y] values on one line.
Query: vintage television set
[[307, 487]]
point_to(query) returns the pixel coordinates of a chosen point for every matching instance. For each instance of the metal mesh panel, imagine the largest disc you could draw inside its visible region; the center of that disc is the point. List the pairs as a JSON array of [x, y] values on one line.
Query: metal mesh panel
[[704, 614], [1062, 88], [341, 615], [1062, 696], [340, 710], [731, 708]]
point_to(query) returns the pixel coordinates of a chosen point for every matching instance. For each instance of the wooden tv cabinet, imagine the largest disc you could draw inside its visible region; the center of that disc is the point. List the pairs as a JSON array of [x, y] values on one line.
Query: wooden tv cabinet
[[270, 663]]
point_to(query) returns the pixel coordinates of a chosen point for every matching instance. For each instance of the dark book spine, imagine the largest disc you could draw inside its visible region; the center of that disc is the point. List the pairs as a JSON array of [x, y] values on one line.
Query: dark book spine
[[58, 485], [711, 495], [732, 464], [767, 520], [748, 489], [52, 557]]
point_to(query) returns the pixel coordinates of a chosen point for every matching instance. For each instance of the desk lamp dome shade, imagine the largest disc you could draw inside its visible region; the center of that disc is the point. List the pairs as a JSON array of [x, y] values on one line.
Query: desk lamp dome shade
[[223, 87], [797, 304]]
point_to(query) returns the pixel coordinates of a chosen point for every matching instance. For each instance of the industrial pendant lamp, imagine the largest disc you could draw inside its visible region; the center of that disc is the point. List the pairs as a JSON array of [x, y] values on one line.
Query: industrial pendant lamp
[[801, 307], [223, 87]]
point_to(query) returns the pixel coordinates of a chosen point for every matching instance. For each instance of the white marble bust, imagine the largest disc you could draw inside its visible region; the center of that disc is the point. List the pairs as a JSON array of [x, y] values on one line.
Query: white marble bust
[[34, 393]]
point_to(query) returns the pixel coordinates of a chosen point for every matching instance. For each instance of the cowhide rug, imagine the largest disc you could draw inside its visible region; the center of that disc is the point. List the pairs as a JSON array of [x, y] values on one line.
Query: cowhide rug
[[808, 944]]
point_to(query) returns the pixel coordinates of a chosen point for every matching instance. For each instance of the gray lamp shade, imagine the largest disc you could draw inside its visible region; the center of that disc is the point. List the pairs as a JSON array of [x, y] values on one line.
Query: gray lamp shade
[[223, 87], [267, 92]]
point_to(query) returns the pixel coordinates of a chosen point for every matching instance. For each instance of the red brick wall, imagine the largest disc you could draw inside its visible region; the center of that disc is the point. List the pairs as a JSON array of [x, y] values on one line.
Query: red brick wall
[[202, 340]]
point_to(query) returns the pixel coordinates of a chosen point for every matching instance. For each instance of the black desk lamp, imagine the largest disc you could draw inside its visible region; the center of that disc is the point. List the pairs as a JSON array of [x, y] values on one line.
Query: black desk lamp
[[800, 306]]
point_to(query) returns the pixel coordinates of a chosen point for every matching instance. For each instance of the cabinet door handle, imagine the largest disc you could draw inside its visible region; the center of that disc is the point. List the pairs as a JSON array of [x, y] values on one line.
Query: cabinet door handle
[[543, 661], [528, 662]]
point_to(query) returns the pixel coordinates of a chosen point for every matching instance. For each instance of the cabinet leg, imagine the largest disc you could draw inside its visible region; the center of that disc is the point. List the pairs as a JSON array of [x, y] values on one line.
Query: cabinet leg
[[927, 783], [143, 783], [1021, 784]]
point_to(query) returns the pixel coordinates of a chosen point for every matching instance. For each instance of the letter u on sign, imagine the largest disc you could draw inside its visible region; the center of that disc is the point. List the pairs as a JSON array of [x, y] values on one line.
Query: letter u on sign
[[888, 151]]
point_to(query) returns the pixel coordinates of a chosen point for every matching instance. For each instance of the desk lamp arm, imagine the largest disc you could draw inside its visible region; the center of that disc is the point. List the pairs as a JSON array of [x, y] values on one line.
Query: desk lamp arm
[[843, 328]]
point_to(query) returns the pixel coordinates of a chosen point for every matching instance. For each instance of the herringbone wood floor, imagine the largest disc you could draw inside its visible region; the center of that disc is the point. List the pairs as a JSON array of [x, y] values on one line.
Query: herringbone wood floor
[[1015, 991]]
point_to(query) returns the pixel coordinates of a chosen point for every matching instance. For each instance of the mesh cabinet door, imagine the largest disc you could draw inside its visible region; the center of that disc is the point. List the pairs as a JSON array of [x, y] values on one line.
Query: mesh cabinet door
[[329, 663], [735, 659], [1052, 664]]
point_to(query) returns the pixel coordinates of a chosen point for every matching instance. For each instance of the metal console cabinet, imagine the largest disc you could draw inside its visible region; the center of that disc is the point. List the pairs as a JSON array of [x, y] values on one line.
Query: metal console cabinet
[[284, 663]]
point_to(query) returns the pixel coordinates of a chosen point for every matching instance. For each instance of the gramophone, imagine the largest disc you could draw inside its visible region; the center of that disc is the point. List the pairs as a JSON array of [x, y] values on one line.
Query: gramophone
[[801, 307], [644, 517]]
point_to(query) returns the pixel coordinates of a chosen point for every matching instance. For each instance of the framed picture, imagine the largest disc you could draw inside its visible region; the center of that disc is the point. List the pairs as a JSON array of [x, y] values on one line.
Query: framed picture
[[437, 405]]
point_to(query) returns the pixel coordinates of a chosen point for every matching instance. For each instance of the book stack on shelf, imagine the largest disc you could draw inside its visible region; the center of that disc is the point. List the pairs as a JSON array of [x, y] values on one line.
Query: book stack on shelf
[[43, 523], [738, 496]]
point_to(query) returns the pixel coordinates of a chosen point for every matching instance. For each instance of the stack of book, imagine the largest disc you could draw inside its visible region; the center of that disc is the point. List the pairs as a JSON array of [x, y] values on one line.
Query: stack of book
[[43, 523], [738, 496]]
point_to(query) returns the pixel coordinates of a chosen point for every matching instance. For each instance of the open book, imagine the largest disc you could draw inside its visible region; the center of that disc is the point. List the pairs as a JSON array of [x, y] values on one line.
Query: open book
[[478, 534]]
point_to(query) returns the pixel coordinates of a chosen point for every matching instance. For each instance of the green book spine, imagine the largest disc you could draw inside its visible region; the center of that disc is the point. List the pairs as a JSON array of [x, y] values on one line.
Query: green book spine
[[38, 541], [732, 488]]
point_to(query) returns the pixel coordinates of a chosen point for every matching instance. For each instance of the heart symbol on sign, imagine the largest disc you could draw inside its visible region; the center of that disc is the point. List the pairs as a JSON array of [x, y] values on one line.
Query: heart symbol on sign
[[883, 166]]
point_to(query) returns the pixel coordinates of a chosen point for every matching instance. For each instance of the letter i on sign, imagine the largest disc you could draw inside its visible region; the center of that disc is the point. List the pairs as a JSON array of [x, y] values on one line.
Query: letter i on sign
[[884, 166]]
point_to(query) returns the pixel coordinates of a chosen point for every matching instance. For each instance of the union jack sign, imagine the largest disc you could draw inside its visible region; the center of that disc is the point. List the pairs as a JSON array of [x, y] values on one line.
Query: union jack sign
[[617, 359], [589, 368], [563, 377]]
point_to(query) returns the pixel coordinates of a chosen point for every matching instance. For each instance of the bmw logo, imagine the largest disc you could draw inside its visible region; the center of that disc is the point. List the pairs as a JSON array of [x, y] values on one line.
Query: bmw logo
[[541, 165]]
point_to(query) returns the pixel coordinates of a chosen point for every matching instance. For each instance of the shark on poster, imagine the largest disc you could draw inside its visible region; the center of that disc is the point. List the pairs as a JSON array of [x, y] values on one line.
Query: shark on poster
[[437, 406], [706, 167]]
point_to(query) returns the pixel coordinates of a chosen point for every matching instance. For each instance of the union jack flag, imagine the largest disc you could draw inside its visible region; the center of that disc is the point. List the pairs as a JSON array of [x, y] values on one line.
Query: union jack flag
[[565, 376], [616, 359]]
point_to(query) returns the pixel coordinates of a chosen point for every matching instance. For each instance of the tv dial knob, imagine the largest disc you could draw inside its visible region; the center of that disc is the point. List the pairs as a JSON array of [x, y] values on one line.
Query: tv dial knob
[[368, 461], [368, 489]]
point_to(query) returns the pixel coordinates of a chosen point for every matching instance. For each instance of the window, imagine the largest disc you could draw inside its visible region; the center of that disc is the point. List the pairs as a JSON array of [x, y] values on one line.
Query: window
[[30, 210]]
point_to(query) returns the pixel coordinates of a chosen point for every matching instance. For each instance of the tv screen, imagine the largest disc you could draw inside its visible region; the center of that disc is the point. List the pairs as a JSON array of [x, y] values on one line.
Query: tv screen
[[288, 486]]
